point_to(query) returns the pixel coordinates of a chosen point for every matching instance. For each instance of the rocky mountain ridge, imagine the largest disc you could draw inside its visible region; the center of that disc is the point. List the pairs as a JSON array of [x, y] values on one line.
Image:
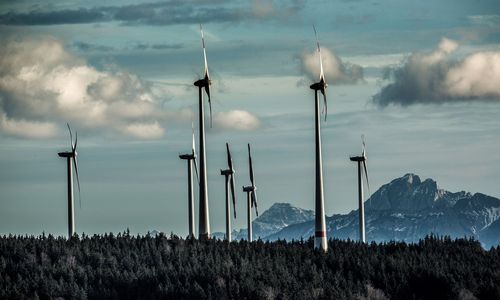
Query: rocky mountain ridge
[[405, 209]]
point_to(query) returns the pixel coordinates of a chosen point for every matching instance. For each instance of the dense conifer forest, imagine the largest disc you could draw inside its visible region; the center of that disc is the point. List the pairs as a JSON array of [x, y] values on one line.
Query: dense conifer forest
[[161, 267]]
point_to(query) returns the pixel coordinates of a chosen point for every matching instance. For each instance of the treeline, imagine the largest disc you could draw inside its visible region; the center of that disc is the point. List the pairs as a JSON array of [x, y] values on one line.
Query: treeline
[[160, 267]]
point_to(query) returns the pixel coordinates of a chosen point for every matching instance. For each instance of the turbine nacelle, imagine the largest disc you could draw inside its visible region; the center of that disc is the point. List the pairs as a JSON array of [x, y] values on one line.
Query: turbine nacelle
[[204, 83], [358, 158], [227, 172], [67, 154], [249, 189], [320, 86], [187, 156]]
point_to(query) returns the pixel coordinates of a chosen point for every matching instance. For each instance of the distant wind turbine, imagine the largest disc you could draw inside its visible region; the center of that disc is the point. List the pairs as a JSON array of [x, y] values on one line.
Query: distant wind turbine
[[71, 160], [204, 83], [229, 176], [191, 157], [320, 240], [251, 196], [361, 160]]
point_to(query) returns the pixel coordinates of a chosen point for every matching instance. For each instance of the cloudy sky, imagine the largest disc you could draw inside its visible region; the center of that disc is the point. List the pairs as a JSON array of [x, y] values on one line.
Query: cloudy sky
[[420, 79]]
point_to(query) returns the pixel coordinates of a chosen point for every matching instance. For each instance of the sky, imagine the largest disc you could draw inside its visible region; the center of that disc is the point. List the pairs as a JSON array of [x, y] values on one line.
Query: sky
[[420, 79]]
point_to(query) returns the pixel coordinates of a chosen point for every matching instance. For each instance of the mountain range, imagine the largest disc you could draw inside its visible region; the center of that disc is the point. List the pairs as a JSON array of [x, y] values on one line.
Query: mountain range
[[406, 209]]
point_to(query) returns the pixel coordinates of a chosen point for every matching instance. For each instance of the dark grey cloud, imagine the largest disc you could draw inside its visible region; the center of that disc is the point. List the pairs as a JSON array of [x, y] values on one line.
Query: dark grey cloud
[[159, 13], [90, 47], [77, 16], [166, 46], [435, 77], [144, 46]]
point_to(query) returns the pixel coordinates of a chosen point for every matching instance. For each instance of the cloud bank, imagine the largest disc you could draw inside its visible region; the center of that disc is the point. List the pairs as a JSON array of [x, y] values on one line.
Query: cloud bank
[[160, 13], [236, 119], [336, 71], [43, 86], [436, 77]]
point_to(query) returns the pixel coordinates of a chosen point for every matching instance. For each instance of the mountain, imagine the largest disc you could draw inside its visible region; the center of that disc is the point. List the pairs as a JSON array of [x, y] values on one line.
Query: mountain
[[491, 235], [408, 209], [277, 217]]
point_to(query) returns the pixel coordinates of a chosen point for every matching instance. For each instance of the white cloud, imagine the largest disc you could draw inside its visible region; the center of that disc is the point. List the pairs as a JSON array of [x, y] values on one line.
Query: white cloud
[[487, 20], [478, 75], [336, 71], [263, 8], [25, 128], [436, 77], [145, 130], [41, 85], [236, 119]]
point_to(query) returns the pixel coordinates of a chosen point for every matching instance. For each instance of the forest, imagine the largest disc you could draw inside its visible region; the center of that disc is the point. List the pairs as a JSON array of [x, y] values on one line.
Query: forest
[[125, 266]]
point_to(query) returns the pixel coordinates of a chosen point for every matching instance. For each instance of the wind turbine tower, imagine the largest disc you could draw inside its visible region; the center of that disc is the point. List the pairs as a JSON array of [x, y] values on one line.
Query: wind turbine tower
[[190, 158], [361, 160], [320, 238], [203, 83], [71, 160], [251, 197], [229, 176]]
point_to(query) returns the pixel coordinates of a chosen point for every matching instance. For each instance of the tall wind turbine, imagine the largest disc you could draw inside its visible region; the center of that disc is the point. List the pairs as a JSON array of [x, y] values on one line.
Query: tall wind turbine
[[229, 176], [320, 240], [190, 157], [71, 160], [251, 196], [361, 160], [203, 83]]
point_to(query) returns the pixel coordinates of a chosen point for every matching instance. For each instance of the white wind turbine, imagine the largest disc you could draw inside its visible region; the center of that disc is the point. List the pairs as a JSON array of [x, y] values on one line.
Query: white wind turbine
[[71, 161], [203, 83], [320, 235], [362, 169], [251, 196], [190, 158], [229, 179]]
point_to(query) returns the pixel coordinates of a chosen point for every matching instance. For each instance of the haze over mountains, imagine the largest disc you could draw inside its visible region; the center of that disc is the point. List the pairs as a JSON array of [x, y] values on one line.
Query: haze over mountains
[[405, 209]]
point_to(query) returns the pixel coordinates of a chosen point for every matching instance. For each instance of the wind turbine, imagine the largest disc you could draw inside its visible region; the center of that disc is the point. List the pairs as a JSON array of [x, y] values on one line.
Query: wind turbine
[[320, 240], [229, 176], [361, 160], [204, 83], [190, 157], [71, 160], [251, 196]]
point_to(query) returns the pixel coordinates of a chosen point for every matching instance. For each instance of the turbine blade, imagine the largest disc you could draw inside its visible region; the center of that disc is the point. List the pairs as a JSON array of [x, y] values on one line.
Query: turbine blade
[[75, 163], [194, 144], [366, 177], [325, 104], [209, 104], [70, 136], [76, 143], [254, 202], [364, 145], [204, 52], [196, 170], [321, 74], [233, 195], [250, 166], [229, 159]]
